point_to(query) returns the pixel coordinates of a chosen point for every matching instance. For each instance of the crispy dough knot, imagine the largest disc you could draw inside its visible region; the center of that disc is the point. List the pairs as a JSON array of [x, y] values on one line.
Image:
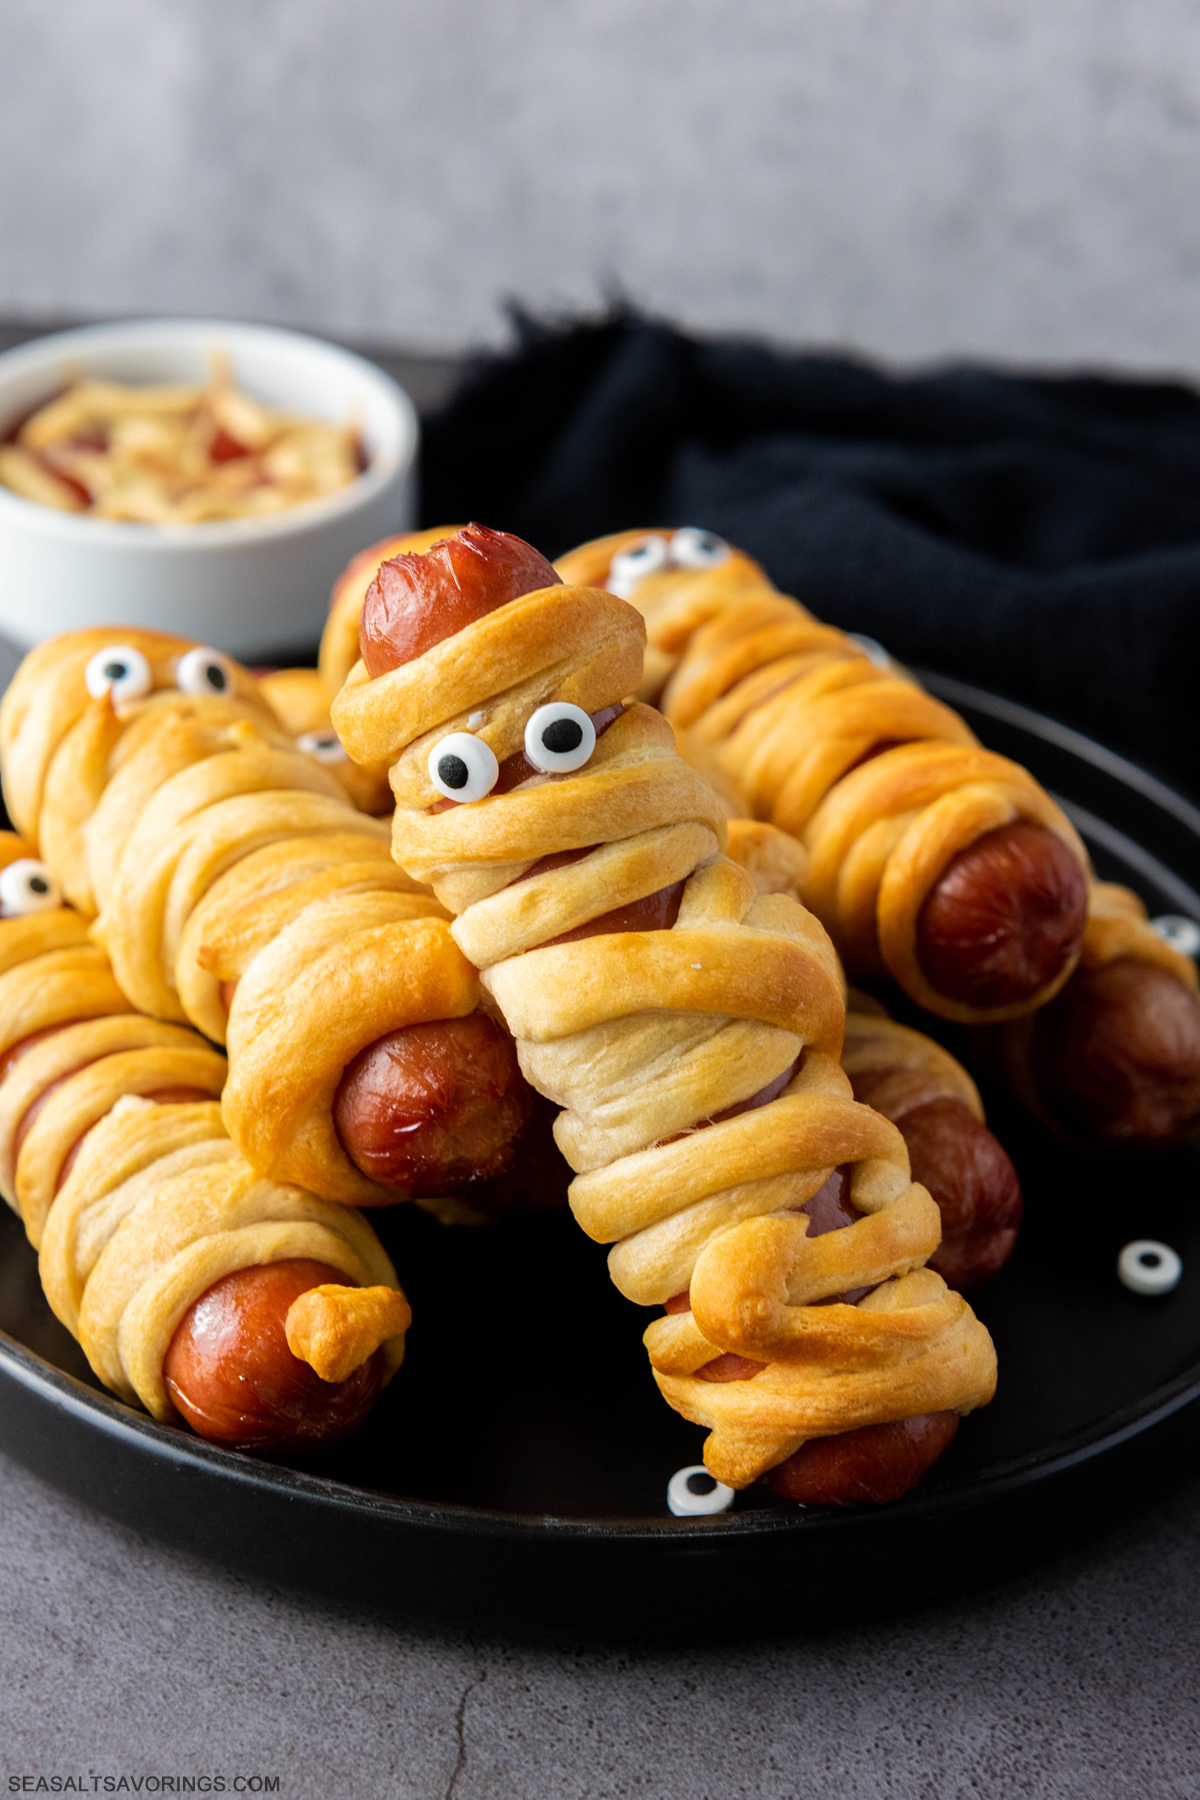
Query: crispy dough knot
[[337, 1329]]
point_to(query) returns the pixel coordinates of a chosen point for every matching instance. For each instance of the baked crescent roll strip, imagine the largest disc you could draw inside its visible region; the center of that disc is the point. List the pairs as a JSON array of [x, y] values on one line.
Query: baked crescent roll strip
[[60, 732], [690, 1033], [204, 834], [931, 859], [921, 1088], [927, 852], [301, 699], [329, 984], [151, 1229], [928, 1094]]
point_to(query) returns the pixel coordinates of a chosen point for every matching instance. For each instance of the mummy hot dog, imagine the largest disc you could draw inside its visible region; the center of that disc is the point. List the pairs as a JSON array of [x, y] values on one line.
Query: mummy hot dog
[[921, 1088], [688, 1027], [826, 738], [261, 1315], [230, 871], [931, 859]]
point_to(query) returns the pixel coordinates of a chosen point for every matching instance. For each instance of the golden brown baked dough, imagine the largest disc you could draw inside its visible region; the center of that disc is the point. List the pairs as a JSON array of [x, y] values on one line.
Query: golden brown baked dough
[[674, 597], [643, 1036], [137, 1207], [208, 840], [301, 699], [883, 783], [916, 1069], [59, 743]]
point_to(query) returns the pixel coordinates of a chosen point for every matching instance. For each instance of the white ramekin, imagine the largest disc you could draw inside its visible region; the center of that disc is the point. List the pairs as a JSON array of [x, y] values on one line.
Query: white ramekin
[[256, 587]]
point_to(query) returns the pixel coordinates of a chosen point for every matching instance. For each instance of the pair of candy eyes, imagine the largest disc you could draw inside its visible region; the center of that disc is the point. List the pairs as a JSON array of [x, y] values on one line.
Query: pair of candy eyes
[[688, 548], [125, 673], [27, 886], [559, 739]]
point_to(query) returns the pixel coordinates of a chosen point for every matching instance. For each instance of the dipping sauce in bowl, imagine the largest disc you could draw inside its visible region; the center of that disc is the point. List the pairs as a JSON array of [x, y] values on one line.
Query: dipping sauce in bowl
[[198, 476], [177, 455]]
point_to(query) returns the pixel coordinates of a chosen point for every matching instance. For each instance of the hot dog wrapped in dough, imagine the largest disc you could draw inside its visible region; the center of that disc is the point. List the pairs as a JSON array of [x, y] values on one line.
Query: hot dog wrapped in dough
[[920, 1087], [688, 1026], [300, 699], [361, 1061], [1114, 1059], [931, 859], [927, 1093], [257, 1313], [229, 869]]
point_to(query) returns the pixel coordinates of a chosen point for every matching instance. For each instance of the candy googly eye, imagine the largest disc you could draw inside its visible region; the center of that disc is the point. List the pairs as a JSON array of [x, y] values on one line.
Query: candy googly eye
[[1179, 931], [326, 746], [632, 564], [1148, 1267], [27, 886], [204, 671], [691, 548], [463, 767], [692, 1493], [559, 738], [120, 671]]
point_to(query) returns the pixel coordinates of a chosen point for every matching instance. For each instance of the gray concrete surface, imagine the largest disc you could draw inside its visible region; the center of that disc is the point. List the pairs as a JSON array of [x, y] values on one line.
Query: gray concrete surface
[[914, 177], [118, 1657]]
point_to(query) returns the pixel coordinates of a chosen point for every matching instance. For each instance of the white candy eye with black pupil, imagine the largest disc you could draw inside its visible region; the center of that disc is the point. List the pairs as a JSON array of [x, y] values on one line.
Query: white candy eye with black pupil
[[204, 671], [121, 671], [27, 886], [463, 768], [559, 738], [691, 548], [632, 564], [326, 746]]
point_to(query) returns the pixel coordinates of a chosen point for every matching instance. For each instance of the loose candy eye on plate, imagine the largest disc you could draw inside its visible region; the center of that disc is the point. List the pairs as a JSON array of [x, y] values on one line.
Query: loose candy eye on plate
[[204, 671], [27, 886], [1147, 1267], [559, 738], [120, 671], [692, 1493], [691, 548], [463, 767], [632, 564], [326, 746]]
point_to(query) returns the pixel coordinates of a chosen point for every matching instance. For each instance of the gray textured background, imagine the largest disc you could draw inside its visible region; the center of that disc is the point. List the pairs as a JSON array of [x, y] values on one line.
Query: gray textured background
[[915, 177]]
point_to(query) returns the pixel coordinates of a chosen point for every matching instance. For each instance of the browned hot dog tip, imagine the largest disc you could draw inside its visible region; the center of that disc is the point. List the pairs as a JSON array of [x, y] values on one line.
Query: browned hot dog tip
[[232, 1376], [1005, 918], [875, 1464], [1116, 1056], [434, 1108]]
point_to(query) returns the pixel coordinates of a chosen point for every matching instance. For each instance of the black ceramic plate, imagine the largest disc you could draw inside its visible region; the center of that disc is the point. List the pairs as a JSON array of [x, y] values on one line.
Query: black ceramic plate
[[517, 1467]]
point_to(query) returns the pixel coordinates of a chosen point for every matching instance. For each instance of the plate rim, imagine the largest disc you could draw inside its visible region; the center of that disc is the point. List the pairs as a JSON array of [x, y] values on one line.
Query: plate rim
[[169, 1445]]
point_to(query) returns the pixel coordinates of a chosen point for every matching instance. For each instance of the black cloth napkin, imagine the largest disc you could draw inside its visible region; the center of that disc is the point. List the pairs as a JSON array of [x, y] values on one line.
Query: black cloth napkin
[[1036, 536]]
